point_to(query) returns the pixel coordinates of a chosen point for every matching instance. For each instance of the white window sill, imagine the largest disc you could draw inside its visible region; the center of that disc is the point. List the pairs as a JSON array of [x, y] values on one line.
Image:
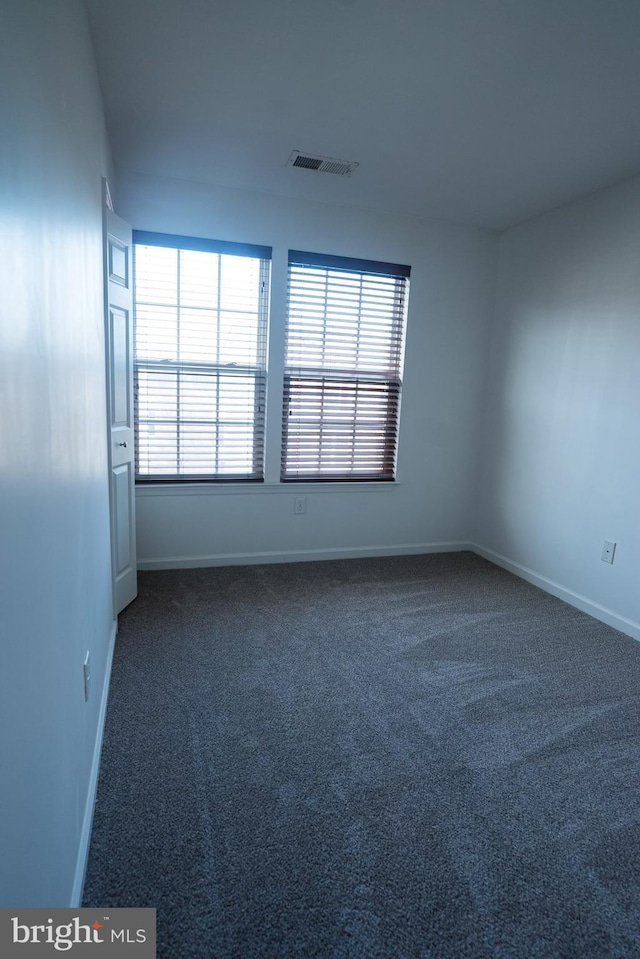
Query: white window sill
[[259, 489]]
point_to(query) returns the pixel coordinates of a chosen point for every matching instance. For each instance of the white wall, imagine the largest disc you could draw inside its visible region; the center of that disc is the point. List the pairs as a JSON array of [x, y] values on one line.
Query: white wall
[[54, 530], [451, 299], [561, 450]]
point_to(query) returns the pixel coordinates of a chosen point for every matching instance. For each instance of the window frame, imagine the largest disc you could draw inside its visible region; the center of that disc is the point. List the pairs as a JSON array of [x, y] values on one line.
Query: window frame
[[351, 381], [259, 371]]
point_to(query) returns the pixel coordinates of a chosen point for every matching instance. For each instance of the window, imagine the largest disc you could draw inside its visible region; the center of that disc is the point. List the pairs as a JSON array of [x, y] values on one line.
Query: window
[[199, 358], [345, 332]]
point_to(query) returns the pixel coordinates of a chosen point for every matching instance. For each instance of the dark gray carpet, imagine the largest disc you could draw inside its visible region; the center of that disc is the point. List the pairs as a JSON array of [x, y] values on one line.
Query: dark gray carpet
[[378, 759]]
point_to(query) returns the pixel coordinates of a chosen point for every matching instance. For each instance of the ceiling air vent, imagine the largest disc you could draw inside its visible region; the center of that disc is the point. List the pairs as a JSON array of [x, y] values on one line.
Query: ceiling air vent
[[307, 161]]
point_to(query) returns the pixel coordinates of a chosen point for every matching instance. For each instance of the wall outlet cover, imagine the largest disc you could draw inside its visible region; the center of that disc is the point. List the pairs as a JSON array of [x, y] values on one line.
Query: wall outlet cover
[[608, 551]]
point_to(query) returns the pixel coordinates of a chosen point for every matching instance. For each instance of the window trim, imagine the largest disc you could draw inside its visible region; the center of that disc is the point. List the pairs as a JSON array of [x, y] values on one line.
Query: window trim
[[175, 241], [349, 264]]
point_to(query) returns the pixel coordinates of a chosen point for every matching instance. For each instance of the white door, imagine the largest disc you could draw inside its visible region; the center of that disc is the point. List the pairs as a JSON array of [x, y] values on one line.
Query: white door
[[119, 343]]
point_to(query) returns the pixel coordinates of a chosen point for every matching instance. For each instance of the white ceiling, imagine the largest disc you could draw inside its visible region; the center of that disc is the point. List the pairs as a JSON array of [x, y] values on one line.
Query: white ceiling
[[478, 111]]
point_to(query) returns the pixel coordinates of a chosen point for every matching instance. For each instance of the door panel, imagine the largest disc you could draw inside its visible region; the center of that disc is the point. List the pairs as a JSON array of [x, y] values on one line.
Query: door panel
[[122, 502], [118, 262], [119, 356]]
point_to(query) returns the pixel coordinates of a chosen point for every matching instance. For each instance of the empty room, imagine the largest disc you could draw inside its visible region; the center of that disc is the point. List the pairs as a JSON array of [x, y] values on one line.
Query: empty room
[[319, 525]]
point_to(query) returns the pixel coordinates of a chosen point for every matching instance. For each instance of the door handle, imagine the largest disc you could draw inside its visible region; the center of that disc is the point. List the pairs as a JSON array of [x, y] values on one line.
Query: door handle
[[123, 444]]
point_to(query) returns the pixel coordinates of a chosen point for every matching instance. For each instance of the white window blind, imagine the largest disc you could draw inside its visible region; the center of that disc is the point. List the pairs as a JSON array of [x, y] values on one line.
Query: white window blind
[[343, 368], [199, 358]]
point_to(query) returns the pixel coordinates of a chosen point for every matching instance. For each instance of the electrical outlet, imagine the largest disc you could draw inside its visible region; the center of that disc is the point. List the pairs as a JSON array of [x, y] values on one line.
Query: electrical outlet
[[300, 505], [608, 551], [86, 673]]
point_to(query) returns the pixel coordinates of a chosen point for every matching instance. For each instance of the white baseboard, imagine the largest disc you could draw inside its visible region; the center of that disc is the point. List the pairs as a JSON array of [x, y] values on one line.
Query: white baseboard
[[608, 616], [87, 823], [300, 555]]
